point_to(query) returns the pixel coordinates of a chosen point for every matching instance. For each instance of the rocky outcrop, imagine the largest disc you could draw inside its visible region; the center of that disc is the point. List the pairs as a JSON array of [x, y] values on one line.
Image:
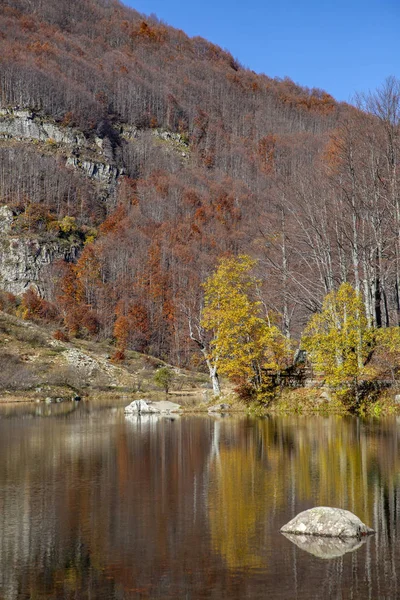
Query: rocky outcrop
[[97, 156], [101, 172], [327, 522], [81, 151], [6, 219], [24, 259], [24, 124]]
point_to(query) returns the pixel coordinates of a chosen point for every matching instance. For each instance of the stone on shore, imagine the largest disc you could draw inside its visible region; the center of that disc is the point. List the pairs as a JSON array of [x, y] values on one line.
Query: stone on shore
[[140, 407], [327, 522]]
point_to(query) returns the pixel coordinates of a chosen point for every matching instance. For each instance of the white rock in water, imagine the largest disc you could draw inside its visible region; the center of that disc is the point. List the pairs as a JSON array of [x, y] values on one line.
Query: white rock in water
[[140, 407], [328, 522]]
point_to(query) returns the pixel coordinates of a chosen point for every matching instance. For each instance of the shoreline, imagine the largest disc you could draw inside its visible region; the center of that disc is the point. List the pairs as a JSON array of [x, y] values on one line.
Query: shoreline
[[294, 402]]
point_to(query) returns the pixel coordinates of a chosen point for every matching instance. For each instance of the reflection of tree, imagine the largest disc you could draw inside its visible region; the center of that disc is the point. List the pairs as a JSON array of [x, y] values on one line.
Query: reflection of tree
[[287, 464], [98, 506], [92, 505], [237, 491]]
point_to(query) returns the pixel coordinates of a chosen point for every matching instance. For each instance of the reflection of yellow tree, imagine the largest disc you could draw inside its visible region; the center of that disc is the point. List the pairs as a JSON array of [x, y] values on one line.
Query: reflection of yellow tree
[[332, 462], [237, 493]]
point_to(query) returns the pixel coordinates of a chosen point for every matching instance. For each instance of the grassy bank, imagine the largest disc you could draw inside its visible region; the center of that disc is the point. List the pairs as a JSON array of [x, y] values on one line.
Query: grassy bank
[[34, 366]]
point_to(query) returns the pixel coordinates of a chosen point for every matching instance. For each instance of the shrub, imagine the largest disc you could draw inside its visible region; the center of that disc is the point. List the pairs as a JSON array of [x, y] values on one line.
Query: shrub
[[60, 335], [118, 356], [163, 378], [34, 307]]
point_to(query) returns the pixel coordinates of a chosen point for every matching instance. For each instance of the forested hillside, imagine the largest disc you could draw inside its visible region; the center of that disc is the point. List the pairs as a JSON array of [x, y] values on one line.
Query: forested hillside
[[205, 159]]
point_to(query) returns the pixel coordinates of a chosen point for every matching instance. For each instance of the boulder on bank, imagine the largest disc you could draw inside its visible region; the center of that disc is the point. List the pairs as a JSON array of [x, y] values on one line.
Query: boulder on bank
[[327, 522], [326, 547], [141, 407]]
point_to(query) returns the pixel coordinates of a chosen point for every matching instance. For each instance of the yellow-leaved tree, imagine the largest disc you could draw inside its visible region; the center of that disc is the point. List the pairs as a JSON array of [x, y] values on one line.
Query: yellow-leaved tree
[[243, 345], [338, 339]]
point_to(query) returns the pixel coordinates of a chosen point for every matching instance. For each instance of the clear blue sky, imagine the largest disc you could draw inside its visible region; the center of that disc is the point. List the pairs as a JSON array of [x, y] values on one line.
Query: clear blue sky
[[341, 46]]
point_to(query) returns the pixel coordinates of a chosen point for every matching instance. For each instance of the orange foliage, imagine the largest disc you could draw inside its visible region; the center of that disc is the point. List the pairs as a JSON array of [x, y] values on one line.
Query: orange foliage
[[34, 307], [121, 332], [114, 220], [60, 335], [267, 152], [154, 33]]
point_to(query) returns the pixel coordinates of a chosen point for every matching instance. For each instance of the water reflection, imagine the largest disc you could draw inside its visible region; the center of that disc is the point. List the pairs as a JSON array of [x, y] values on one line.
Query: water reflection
[[94, 505], [325, 547]]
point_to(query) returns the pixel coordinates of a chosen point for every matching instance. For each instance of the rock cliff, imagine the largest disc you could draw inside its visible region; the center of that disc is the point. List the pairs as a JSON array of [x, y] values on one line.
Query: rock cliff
[[96, 155], [93, 155], [23, 260]]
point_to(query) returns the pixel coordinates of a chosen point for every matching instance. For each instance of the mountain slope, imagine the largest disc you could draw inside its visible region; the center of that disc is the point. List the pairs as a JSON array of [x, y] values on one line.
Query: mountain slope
[[36, 366], [154, 155]]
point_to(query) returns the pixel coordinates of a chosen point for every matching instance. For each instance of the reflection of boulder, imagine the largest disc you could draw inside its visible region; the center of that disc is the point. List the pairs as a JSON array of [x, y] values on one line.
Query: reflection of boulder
[[327, 522], [140, 418], [325, 547], [150, 418]]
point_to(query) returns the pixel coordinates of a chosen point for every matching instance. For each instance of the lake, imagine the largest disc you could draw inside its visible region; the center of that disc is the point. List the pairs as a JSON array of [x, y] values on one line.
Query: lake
[[95, 505]]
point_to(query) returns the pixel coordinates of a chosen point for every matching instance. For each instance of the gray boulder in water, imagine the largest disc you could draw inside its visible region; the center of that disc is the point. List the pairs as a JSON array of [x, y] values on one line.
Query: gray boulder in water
[[327, 522]]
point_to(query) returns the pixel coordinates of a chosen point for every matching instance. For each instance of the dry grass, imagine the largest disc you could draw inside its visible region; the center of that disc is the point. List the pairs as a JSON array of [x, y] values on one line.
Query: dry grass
[[31, 360]]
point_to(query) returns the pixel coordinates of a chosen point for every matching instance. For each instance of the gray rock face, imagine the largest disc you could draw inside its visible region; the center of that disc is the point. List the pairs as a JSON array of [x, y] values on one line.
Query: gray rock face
[[104, 173], [6, 219], [25, 125], [325, 547], [168, 135], [22, 260], [327, 522]]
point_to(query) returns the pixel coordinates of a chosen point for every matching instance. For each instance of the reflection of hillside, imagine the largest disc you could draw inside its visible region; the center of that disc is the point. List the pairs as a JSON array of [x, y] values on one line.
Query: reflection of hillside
[[102, 504], [93, 506]]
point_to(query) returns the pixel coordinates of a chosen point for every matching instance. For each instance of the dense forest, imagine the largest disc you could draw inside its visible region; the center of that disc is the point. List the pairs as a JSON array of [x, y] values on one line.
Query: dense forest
[[307, 187]]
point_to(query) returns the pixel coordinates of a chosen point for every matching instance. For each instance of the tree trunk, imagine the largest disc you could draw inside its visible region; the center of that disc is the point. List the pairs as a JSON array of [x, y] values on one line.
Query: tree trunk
[[212, 368], [213, 376]]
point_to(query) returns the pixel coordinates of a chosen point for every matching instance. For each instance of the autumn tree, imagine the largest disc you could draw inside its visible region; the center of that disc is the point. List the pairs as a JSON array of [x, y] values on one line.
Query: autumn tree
[[243, 345], [338, 339]]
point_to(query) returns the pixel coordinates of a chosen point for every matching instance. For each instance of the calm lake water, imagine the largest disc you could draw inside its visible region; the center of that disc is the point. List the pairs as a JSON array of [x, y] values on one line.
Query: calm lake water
[[94, 505]]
